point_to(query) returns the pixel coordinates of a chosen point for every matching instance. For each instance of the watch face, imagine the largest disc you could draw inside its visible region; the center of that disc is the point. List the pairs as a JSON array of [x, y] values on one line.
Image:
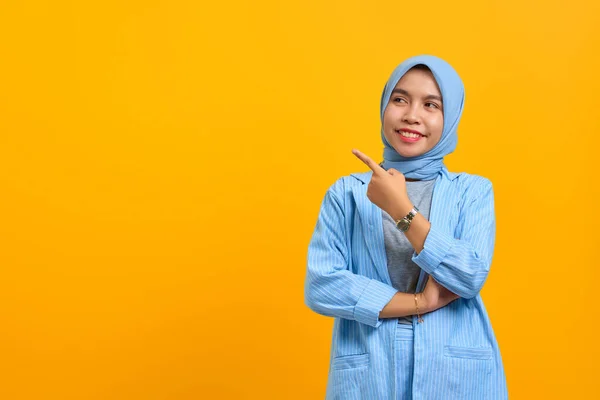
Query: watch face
[[403, 224]]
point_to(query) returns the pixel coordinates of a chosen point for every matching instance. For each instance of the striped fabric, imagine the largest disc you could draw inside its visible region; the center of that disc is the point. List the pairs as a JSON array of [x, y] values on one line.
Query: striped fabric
[[456, 355]]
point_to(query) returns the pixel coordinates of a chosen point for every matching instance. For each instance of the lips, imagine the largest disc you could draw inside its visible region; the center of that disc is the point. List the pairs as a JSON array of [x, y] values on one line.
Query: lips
[[409, 130], [409, 136]]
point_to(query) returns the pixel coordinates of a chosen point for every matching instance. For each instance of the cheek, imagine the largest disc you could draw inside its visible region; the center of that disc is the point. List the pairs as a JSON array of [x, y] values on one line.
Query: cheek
[[436, 128], [388, 116], [388, 123]]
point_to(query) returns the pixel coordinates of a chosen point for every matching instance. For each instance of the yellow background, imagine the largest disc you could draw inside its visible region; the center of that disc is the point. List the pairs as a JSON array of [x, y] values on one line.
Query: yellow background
[[163, 162]]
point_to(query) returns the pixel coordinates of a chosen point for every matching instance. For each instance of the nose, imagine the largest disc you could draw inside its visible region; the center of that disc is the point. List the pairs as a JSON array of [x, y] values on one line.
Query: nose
[[411, 116]]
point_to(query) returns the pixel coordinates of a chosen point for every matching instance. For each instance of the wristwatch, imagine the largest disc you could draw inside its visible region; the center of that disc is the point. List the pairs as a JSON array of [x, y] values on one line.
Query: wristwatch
[[404, 223]]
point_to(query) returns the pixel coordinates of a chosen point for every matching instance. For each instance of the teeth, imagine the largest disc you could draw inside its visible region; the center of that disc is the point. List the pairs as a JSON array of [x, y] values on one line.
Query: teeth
[[409, 135]]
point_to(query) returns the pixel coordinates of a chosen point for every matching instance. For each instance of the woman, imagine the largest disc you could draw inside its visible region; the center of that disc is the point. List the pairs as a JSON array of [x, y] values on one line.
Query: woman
[[400, 253]]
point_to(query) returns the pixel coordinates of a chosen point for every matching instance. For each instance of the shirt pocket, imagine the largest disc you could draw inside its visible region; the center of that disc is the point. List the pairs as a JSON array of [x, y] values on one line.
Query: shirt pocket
[[347, 377], [468, 372], [476, 353], [351, 361]]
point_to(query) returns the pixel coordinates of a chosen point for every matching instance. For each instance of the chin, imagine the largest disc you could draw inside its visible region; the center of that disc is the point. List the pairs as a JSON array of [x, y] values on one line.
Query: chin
[[407, 149], [408, 152]]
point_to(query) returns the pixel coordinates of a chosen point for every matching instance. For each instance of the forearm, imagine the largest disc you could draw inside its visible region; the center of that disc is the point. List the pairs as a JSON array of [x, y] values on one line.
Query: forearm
[[459, 264], [403, 304], [419, 227]]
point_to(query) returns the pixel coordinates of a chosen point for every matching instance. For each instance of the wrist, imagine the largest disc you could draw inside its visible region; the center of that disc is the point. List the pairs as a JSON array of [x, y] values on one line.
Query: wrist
[[401, 209], [424, 306]]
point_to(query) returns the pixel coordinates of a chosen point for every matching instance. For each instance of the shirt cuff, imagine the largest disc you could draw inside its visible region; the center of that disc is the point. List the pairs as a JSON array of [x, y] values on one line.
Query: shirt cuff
[[437, 245], [372, 300]]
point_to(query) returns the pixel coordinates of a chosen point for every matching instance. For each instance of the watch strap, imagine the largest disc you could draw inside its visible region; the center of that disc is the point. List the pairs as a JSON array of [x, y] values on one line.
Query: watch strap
[[404, 223]]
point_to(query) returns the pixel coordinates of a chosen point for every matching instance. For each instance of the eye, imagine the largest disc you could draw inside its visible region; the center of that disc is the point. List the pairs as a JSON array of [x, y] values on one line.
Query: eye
[[397, 99], [431, 105]]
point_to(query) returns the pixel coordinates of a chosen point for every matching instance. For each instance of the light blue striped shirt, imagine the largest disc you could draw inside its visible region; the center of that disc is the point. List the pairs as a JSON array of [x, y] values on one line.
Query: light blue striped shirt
[[456, 352]]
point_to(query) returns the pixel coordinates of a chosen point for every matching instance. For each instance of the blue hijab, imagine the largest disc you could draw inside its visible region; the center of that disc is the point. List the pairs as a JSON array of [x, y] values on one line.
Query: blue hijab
[[427, 166]]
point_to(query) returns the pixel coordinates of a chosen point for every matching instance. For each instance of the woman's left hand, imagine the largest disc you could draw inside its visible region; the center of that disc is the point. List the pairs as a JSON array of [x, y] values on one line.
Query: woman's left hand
[[387, 189]]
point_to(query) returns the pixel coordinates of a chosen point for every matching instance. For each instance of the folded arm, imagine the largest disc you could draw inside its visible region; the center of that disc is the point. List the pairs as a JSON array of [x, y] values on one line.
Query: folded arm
[[459, 264], [331, 289]]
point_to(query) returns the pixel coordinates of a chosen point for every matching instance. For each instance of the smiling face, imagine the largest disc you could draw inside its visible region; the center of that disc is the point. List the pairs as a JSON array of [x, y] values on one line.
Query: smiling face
[[413, 119]]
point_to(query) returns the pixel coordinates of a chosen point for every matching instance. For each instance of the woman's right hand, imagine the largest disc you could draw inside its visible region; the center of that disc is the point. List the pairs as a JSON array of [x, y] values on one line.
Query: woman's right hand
[[436, 296]]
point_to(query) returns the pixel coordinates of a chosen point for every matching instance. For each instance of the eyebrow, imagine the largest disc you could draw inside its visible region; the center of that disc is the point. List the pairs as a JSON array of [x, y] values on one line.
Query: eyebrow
[[428, 97]]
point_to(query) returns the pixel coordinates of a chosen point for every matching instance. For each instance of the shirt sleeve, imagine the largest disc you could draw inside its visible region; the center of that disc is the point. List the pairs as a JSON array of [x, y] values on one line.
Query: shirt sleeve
[[331, 289], [462, 264]]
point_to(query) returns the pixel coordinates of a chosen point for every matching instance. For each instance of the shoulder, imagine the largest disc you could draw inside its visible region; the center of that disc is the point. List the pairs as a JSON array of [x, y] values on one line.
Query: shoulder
[[345, 188], [463, 181], [470, 187], [472, 183], [347, 183], [463, 184]]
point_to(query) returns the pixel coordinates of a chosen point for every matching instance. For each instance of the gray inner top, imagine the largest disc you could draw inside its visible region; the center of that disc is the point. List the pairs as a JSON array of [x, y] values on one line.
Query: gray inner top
[[404, 273]]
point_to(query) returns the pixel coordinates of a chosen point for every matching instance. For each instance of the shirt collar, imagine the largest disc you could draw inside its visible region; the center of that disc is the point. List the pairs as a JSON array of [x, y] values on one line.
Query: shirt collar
[[365, 177]]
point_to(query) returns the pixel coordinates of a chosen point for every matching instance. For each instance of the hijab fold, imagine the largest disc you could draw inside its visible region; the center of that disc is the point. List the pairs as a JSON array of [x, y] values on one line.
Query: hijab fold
[[427, 166]]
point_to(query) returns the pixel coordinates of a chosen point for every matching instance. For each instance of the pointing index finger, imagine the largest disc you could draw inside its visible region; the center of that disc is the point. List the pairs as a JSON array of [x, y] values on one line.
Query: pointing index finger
[[367, 160]]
